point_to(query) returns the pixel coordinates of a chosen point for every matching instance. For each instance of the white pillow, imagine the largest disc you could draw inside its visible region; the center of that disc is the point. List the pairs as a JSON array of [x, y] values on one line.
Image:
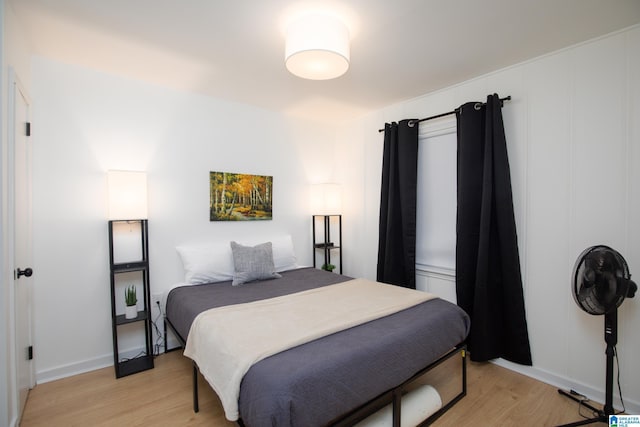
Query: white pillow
[[206, 263], [284, 257]]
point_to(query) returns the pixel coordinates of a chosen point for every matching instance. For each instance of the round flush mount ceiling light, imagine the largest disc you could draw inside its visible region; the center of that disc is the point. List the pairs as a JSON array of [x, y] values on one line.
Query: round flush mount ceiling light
[[317, 47]]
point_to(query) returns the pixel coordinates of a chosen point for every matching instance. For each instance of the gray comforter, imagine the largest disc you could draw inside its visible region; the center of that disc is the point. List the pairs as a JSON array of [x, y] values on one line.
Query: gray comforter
[[318, 382]]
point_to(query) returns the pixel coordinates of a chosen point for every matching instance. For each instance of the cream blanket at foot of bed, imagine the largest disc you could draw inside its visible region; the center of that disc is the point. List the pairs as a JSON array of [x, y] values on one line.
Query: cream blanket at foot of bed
[[226, 341]]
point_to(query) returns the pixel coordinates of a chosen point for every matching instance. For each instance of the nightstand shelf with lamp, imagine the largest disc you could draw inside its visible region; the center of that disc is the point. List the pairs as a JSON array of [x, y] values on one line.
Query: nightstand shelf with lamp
[[326, 223], [128, 233]]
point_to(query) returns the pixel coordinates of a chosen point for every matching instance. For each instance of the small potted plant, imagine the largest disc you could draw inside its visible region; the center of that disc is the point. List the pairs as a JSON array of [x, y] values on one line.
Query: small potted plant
[[328, 267], [131, 300]]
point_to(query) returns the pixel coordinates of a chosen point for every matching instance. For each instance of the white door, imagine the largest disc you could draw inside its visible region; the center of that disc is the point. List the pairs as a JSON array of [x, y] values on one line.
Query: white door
[[22, 244]]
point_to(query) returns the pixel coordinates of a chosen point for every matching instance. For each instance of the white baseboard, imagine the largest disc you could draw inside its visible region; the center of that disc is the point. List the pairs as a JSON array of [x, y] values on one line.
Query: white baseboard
[[597, 395], [82, 366], [75, 368], [93, 364], [89, 365]]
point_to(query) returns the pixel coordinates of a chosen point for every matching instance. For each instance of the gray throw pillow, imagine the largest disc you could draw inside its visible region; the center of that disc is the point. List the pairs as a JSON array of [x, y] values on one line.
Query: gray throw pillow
[[252, 263]]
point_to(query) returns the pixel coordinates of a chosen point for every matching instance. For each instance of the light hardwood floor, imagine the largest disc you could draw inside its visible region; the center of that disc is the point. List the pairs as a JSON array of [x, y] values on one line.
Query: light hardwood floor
[[162, 397]]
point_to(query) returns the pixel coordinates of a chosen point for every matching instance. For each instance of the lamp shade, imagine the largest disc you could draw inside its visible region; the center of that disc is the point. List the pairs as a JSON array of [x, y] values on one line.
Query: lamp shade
[[127, 195], [317, 47], [326, 199]]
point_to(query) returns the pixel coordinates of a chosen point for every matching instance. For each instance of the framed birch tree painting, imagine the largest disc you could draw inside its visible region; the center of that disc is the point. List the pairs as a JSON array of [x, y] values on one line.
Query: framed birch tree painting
[[240, 197]]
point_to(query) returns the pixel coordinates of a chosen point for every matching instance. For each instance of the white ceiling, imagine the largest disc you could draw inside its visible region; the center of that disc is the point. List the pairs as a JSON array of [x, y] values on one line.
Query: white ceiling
[[234, 49]]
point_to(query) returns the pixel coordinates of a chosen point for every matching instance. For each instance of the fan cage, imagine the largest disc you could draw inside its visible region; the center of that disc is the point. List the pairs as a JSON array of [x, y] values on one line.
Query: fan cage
[[599, 276]]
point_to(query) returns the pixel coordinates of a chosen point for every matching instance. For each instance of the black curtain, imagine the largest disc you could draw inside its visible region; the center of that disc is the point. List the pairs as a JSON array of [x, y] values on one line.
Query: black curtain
[[488, 279], [397, 237]]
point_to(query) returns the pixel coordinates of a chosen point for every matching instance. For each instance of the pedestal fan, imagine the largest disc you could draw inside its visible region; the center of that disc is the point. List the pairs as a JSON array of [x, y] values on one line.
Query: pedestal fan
[[601, 281]]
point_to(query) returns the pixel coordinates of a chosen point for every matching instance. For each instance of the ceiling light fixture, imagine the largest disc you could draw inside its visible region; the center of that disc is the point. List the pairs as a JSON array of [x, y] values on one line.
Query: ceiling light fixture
[[317, 47]]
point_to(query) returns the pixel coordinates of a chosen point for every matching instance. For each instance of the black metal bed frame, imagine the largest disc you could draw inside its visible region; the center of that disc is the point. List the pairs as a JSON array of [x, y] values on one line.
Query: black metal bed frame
[[393, 396]]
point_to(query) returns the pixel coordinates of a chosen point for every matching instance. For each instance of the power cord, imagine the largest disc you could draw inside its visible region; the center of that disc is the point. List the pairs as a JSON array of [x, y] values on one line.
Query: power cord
[[140, 354], [615, 354], [582, 398], [159, 335]]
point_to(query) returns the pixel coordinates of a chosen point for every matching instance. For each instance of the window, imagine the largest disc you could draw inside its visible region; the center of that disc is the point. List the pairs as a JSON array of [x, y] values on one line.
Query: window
[[436, 199]]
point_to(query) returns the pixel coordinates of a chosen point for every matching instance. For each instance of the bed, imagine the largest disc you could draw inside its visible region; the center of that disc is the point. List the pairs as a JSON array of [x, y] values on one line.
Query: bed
[[336, 379]]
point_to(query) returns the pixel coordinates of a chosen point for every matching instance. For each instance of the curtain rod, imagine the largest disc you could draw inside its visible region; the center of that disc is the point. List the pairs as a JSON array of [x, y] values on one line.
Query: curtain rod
[[506, 98]]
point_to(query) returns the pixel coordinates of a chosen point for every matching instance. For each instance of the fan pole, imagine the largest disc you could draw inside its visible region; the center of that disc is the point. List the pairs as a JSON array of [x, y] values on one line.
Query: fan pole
[[611, 338]]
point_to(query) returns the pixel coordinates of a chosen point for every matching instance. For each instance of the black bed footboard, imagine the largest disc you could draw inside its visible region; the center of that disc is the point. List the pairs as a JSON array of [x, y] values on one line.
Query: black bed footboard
[[394, 396]]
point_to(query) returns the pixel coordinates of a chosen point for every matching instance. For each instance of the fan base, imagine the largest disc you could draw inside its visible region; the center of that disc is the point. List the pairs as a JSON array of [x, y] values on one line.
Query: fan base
[[601, 418]]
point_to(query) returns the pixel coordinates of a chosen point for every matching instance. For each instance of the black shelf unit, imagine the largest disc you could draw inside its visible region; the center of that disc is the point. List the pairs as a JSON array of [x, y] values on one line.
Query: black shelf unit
[[124, 367], [326, 245]]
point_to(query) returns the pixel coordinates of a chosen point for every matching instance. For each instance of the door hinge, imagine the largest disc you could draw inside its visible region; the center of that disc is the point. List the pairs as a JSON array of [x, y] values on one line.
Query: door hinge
[[28, 129], [30, 353]]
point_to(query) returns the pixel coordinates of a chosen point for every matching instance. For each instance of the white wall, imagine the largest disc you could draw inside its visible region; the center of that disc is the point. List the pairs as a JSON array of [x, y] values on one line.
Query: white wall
[[574, 145], [86, 123]]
